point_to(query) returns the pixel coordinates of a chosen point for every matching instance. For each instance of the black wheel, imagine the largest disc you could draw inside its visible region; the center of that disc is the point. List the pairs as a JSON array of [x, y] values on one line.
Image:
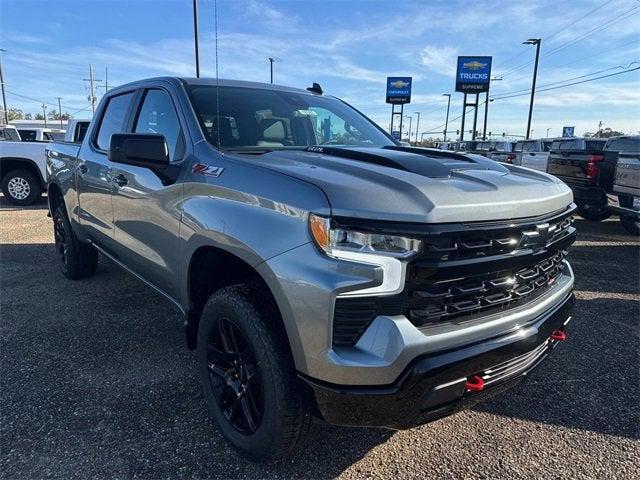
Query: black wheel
[[247, 374], [631, 223], [21, 187], [594, 213], [77, 259]]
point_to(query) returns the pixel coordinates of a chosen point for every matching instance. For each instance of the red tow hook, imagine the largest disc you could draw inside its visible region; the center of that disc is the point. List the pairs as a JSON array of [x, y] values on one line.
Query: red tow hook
[[558, 336], [475, 383]]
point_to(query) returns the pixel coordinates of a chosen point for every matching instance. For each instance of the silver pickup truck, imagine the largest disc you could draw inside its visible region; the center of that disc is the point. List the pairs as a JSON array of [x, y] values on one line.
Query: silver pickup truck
[[322, 269]]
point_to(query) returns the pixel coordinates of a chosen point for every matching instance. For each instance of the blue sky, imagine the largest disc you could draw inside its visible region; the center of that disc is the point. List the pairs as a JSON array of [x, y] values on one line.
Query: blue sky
[[348, 46]]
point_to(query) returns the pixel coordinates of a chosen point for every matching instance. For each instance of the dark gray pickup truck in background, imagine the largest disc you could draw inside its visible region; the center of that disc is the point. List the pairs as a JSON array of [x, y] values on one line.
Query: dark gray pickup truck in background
[[322, 269]]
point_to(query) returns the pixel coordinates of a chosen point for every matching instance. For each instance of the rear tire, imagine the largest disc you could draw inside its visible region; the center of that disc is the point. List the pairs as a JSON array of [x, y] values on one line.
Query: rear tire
[[21, 187], [261, 369], [594, 213], [631, 223], [77, 260]]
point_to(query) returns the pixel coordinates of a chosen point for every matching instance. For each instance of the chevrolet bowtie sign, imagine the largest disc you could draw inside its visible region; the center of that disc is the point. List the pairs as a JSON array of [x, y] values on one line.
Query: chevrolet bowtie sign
[[398, 90], [473, 74]]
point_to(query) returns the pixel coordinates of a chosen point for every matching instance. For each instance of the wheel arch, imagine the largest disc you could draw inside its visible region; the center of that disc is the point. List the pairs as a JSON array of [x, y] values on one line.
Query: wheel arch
[[8, 164], [210, 269]]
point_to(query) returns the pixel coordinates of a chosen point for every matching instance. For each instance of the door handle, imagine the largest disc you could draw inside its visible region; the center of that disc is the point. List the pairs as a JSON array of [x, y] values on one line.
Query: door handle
[[82, 168], [120, 180]]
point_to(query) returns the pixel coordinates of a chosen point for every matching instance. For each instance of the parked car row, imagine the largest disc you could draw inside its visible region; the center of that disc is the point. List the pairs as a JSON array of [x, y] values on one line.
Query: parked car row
[[23, 161]]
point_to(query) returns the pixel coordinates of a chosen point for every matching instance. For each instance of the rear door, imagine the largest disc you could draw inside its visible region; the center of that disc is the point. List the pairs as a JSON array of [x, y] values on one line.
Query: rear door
[[145, 209], [94, 170]]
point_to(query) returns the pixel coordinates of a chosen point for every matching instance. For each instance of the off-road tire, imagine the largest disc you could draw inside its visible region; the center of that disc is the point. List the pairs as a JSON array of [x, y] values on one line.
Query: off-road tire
[[285, 421], [594, 214], [77, 260], [21, 187], [631, 223]]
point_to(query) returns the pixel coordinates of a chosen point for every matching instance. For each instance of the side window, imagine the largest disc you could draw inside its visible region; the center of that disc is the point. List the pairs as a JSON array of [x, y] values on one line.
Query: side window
[[157, 115], [113, 119]]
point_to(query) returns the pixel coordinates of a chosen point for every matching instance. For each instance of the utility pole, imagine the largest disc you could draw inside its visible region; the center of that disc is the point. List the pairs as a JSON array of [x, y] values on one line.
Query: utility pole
[[4, 98], [92, 95], [536, 42], [60, 110], [548, 132], [271, 67], [446, 122], [44, 114], [195, 36], [106, 79], [417, 125]]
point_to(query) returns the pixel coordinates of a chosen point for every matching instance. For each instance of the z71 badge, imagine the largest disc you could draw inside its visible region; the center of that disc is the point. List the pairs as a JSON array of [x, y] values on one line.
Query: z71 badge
[[207, 169]]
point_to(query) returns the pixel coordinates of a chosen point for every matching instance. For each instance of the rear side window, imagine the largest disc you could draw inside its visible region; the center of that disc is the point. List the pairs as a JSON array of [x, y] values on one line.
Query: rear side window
[[81, 131], [113, 119], [629, 144], [28, 135], [546, 146], [47, 136]]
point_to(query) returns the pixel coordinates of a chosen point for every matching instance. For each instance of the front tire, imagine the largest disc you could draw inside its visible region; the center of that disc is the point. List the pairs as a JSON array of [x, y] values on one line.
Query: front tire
[[247, 374], [77, 260], [631, 223], [21, 187], [594, 213]]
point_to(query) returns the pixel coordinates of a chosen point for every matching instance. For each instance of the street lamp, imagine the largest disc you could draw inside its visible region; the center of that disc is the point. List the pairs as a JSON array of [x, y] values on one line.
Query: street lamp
[[536, 42], [486, 109], [410, 122], [446, 122]]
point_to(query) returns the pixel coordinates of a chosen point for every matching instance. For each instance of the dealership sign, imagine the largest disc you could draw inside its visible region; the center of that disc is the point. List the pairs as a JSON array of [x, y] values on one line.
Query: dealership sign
[[473, 74], [399, 90], [568, 131]]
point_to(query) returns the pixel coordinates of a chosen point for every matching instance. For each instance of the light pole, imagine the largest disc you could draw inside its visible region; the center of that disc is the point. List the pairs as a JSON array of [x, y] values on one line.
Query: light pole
[[410, 122], [60, 110], [4, 98], [417, 125], [548, 132], [486, 110], [446, 122], [536, 42], [44, 114], [271, 68]]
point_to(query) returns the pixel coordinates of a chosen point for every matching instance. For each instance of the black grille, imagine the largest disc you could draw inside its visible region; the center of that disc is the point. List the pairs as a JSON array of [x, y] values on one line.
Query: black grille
[[467, 271], [430, 301]]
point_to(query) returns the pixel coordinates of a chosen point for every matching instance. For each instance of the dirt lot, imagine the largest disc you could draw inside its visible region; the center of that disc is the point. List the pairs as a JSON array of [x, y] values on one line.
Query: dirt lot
[[96, 382]]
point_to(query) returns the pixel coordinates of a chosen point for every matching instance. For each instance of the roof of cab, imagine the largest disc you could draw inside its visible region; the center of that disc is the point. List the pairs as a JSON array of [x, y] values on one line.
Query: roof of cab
[[223, 82]]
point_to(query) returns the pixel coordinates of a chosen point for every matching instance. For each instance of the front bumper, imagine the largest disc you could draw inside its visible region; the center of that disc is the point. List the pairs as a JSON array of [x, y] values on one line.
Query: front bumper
[[433, 386]]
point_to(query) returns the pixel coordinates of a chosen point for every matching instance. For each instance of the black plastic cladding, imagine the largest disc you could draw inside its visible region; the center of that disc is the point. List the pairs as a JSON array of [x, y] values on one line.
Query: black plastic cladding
[[465, 272]]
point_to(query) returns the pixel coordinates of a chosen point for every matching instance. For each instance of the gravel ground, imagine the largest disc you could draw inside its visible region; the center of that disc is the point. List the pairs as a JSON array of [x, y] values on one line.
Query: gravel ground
[[96, 382]]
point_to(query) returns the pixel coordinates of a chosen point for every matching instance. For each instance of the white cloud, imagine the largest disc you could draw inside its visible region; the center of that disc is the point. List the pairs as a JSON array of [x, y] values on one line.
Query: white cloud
[[440, 60]]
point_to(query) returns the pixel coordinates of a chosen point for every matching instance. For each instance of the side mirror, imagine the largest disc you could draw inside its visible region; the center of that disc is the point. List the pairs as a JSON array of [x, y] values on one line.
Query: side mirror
[[140, 150]]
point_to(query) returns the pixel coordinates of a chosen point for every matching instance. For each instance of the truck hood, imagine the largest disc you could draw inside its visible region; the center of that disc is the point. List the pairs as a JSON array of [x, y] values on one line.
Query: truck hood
[[420, 185]]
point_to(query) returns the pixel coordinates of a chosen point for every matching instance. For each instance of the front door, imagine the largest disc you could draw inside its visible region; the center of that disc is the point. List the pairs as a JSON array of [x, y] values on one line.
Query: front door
[[95, 173], [146, 210]]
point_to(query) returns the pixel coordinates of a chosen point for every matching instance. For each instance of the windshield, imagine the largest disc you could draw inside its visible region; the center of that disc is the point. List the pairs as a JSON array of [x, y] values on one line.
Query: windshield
[[259, 119]]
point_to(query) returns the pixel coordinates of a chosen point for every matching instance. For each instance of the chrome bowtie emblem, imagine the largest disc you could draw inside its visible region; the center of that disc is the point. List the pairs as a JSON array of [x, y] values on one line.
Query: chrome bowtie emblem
[[536, 238]]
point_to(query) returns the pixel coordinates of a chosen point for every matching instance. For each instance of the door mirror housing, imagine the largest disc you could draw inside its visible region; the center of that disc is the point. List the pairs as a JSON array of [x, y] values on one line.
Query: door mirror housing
[[140, 150]]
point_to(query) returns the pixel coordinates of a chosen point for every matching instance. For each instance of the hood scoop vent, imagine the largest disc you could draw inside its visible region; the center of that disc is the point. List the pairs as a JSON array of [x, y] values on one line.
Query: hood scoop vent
[[361, 155]]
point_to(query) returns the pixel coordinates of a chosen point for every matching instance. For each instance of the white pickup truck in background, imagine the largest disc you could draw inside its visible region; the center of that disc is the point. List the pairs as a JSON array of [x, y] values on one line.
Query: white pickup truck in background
[[23, 165], [41, 134]]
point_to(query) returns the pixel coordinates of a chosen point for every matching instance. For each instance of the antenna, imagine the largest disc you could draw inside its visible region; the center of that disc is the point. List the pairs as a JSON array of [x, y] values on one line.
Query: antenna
[[215, 16]]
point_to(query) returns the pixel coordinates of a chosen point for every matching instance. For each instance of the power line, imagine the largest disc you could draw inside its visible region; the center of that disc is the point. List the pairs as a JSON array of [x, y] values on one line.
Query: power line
[[550, 36], [36, 100], [577, 78], [568, 84], [566, 64], [608, 24]]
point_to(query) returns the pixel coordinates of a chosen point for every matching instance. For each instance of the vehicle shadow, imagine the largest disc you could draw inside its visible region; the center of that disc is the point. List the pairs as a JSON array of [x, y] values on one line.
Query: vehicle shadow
[[40, 204], [591, 381], [99, 370]]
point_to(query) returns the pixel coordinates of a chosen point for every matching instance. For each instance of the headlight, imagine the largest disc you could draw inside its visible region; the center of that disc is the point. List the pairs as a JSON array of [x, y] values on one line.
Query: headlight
[[336, 240], [391, 252]]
